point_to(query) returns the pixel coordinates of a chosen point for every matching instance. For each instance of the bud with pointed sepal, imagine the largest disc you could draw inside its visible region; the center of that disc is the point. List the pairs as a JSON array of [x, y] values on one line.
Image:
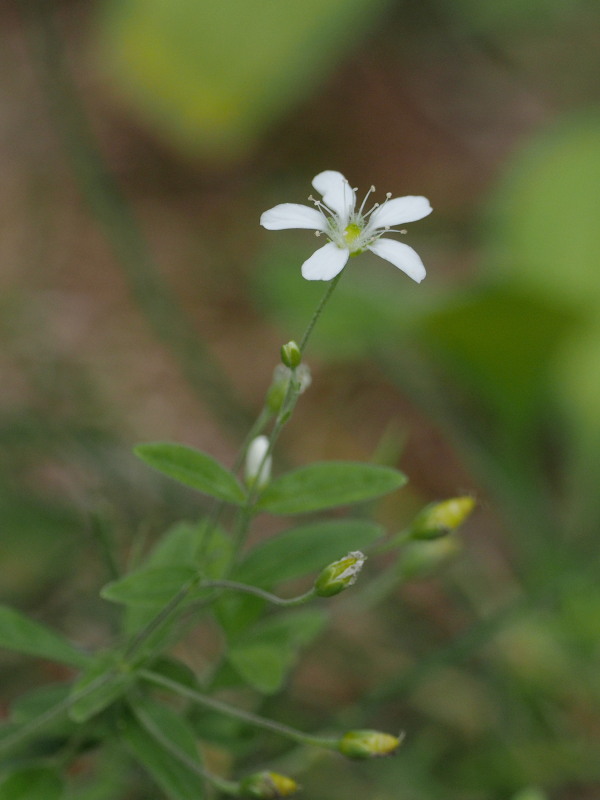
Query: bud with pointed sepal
[[369, 744], [339, 575], [291, 355], [267, 786], [439, 519]]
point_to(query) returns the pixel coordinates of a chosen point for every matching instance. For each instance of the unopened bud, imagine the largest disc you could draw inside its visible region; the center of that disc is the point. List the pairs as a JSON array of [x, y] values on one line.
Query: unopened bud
[[279, 385], [257, 461], [439, 519], [339, 575], [267, 786], [369, 744], [291, 355]]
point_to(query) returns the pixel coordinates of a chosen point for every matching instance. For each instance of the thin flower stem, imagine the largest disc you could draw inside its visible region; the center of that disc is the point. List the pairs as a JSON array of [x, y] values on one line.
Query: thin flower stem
[[246, 512], [238, 713], [213, 519], [285, 412], [270, 598], [319, 311], [229, 787]]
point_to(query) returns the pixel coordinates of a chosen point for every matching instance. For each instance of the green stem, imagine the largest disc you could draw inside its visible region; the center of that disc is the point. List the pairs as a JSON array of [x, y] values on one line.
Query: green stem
[[270, 598], [238, 713], [229, 787], [159, 620], [319, 311]]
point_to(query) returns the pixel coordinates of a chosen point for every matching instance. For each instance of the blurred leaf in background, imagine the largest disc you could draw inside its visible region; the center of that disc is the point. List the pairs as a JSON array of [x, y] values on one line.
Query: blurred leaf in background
[[212, 76]]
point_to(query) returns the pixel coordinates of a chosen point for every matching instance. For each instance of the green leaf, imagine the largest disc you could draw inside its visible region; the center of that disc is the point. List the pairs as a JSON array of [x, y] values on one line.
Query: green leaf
[[328, 484], [264, 654], [32, 783], [183, 543], [152, 587], [180, 548], [99, 686], [18, 632], [192, 468], [305, 549], [175, 778]]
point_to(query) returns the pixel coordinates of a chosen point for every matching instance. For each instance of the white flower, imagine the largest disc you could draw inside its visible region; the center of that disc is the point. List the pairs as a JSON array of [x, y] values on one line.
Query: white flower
[[258, 463], [350, 231]]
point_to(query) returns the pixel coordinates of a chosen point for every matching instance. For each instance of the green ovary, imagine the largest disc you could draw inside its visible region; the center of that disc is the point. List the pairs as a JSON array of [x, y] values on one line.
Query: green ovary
[[351, 234]]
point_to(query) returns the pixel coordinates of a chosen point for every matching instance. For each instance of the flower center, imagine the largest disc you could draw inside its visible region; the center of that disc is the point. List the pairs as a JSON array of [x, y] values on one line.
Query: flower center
[[351, 233]]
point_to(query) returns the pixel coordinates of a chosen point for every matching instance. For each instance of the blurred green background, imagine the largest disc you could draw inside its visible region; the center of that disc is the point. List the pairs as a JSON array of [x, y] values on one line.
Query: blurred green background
[[140, 300]]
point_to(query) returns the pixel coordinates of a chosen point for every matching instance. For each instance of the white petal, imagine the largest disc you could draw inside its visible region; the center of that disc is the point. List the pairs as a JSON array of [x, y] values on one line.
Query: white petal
[[337, 194], [401, 256], [400, 210], [325, 263], [293, 215]]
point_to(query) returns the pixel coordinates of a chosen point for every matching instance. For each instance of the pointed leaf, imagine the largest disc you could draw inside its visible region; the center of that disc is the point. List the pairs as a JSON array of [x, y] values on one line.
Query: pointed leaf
[[328, 484], [264, 654], [179, 781], [18, 632], [192, 468], [305, 549], [152, 587]]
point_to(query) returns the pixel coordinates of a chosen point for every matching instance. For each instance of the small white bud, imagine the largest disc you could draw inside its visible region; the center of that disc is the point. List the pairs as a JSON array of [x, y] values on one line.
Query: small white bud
[[257, 461]]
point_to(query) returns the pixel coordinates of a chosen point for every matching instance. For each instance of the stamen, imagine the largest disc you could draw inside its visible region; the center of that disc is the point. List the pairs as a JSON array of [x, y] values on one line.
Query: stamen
[[321, 206], [371, 210], [362, 205]]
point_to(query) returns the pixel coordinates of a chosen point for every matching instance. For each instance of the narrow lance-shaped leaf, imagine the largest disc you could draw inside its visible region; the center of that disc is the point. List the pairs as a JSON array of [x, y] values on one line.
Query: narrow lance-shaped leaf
[[328, 484], [151, 587], [304, 549], [264, 654], [18, 632], [192, 468]]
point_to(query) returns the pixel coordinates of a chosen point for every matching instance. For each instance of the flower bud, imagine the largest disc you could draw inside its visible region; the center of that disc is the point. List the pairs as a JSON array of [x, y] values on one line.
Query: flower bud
[[368, 744], [291, 355], [257, 461], [267, 786], [279, 385], [339, 575], [439, 519]]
